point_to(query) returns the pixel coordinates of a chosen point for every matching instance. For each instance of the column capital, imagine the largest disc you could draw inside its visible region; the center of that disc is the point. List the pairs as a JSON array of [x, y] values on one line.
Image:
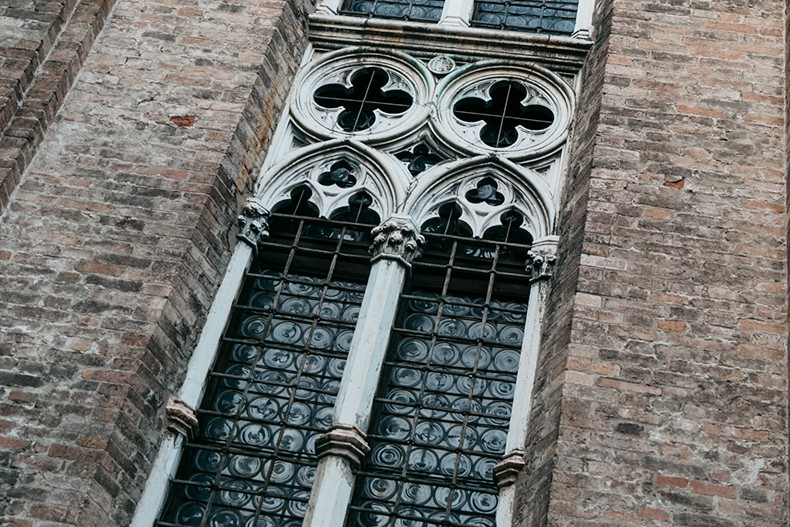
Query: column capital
[[253, 223], [181, 417], [541, 259], [507, 470], [345, 441], [397, 239]]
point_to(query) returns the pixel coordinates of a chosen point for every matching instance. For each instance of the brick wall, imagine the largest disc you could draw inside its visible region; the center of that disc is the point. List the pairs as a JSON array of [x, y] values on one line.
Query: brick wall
[[667, 404], [43, 45], [116, 238]]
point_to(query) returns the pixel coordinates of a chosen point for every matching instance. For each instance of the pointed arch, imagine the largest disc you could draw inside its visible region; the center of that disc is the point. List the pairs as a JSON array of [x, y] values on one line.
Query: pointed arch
[[383, 179], [520, 190]]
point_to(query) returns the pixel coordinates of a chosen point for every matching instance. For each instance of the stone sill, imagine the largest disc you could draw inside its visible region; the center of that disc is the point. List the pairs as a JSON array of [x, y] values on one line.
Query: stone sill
[[559, 53]]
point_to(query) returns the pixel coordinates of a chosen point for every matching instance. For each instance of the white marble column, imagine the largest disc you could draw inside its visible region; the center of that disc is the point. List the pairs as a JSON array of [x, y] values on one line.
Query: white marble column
[[540, 265], [584, 20], [457, 13], [329, 7], [180, 413], [341, 450]]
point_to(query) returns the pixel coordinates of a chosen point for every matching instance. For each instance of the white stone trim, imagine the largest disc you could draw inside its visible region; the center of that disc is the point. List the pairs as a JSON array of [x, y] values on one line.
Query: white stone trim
[[583, 29], [334, 480], [528, 193], [329, 7], [383, 177], [191, 392], [457, 13]]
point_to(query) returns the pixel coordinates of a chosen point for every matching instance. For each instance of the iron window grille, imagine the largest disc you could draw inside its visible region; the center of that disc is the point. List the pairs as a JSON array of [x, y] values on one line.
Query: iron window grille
[[412, 10], [271, 392], [554, 17], [441, 415]]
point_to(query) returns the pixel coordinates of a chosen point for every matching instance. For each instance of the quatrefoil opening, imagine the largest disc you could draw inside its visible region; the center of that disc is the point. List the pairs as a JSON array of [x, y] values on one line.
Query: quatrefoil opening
[[340, 174], [503, 113], [419, 158], [360, 101], [486, 192]]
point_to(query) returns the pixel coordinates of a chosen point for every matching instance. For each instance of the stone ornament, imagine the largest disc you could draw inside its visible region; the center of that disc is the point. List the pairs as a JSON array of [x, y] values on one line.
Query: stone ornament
[[541, 263], [181, 417], [507, 470], [332, 96], [345, 441], [441, 65], [253, 223], [396, 238], [469, 100]]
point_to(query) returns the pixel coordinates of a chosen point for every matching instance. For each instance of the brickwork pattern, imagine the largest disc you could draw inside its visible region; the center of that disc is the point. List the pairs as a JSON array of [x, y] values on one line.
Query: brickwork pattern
[[43, 46], [668, 403], [115, 241]]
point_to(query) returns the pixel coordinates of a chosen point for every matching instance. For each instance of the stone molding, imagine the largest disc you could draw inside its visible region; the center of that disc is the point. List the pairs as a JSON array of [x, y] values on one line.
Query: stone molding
[[560, 53], [507, 470], [181, 417], [397, 239], [345, 441], [253, 223]]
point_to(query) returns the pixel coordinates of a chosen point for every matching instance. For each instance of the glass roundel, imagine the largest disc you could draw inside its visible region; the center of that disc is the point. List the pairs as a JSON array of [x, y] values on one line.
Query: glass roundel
[[554, 17], [272, 390], [414, 10], [443, 407]]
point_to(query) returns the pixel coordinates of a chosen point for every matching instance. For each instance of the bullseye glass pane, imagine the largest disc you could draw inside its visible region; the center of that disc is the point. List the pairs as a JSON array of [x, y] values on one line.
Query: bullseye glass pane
[[555, 17], [443, 407], [413, 10], [272, 390]]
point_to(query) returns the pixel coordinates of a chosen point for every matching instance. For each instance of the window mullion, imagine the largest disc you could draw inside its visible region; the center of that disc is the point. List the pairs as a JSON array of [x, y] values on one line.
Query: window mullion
[[457, 13], [540, 263], [584, 19], [396, 243]]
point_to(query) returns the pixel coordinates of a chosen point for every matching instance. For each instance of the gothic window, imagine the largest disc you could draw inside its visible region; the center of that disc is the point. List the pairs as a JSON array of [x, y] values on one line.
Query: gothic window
[[271, 392], [441, 415], [414, 10], [554, 17]]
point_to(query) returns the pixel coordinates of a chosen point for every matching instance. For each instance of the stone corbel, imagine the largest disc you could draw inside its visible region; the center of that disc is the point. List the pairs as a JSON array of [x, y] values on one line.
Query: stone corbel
[[507, 470], [397, 239], [181, 417], [253, 223], [345, 441], [541, 259]]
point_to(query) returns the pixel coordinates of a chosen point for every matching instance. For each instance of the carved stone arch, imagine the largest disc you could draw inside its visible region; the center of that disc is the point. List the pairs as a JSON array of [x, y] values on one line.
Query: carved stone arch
[[383, 178], [520, 191]]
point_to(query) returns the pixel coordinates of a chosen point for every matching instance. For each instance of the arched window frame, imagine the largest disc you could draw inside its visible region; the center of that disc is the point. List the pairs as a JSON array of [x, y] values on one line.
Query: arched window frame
[[403, 205]]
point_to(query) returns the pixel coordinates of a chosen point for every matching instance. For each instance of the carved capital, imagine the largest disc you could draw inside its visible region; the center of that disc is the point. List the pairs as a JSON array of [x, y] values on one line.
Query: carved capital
[[540, 261], [181, 417], [345, 441], [507, 470], [397, 238], [253, 223]]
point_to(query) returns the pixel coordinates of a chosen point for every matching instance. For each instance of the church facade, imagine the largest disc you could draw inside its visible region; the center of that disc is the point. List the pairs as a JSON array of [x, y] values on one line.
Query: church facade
[[393, 263]]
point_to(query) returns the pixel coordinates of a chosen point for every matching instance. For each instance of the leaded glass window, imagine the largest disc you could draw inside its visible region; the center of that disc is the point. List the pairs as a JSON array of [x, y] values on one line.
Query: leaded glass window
[[440, 419], [414, 10], [555, 17], [271, 392]]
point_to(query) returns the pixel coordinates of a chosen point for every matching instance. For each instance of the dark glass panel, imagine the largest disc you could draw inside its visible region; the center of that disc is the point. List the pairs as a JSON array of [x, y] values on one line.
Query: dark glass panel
[[413, 10], [271, 392], [535, 16], [443, 407]]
